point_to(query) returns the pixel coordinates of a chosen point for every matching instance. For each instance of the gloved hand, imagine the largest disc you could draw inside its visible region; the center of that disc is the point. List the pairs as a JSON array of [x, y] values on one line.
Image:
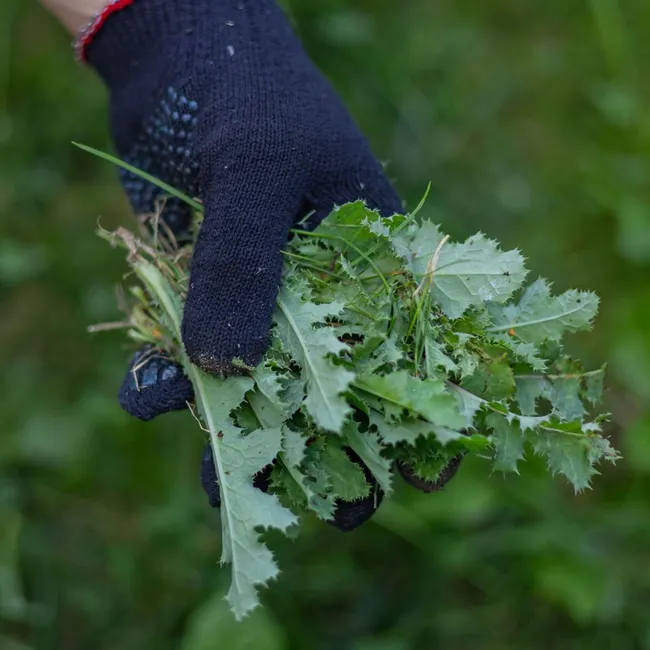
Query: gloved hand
[[218, 99]]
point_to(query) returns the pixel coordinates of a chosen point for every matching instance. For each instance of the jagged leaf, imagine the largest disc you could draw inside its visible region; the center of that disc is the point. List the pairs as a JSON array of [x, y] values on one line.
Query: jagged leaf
[[378, 322], [237, 459], [569, 457], [563, 391], [530, 388], [243, 507], [467, 403], [527, 352], [293, 454], [408, 430], [491, 380], [425, 397], [466, 274], [594, 381], [539, 316], [346, 478], [508, 442], [367, 446], [436, 358], [311, 346]]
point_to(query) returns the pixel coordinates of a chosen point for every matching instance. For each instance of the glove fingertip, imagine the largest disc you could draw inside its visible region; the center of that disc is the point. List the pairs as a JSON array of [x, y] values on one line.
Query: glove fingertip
[[349, 515], [209, 480], [447, 473], [153, 385]]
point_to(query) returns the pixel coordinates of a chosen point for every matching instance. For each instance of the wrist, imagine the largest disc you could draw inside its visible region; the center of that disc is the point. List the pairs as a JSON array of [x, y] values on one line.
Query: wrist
[[74, 15]]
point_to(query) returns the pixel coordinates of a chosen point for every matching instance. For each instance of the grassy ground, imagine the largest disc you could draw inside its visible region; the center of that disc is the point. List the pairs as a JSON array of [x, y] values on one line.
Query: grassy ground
[[532, 122]]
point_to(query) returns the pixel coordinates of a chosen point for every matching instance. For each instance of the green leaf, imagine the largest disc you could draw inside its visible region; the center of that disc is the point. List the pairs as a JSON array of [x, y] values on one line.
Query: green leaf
[[565, 392], [426, 459], [425, 397], [594, 384], [464, 352], [311, 347], [348, 219], [467, 403], [466, 274], [347, 479], [268, 382], [530, 388], [508, 442], [244, 508], [267, 400], [538, 316], [527, 352], [382, 318], [408, 430], [436, 358], [367, 446], [491, 380], [293, 454], [569, 457]]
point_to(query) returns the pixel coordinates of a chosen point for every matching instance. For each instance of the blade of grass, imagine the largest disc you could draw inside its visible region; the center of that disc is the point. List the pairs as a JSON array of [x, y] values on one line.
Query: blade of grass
[[138, 172]]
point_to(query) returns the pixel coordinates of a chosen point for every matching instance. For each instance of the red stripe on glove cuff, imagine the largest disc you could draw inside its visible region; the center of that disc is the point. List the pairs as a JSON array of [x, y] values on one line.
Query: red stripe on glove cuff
[[88, 34]]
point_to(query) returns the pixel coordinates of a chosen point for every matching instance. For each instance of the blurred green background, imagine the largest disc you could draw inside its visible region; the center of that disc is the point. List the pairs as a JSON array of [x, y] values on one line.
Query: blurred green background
[[532, 122]]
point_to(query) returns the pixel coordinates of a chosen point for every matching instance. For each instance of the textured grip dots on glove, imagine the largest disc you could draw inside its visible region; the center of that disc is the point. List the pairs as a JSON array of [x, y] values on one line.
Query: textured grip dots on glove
[[154, 384], [164, 148]]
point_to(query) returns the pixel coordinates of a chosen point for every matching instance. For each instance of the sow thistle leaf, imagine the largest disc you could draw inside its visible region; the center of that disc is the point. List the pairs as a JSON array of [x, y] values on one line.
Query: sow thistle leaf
[[244, 508], [567, 392], [562, 392], [508, 441], [368, 447], [568, 456], [466, 274], [528, 353], [529, 389], [594, 382], [311, 347], [408, 430], [436, 358], [345, 477], [467, 403], [427, 398], [293, 454], [491, 380], [539, 316], [266, 401]]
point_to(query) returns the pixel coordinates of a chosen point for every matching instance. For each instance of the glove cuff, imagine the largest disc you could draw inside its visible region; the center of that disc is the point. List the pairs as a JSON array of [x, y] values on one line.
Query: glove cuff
[[129, 34], [87, 35]]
